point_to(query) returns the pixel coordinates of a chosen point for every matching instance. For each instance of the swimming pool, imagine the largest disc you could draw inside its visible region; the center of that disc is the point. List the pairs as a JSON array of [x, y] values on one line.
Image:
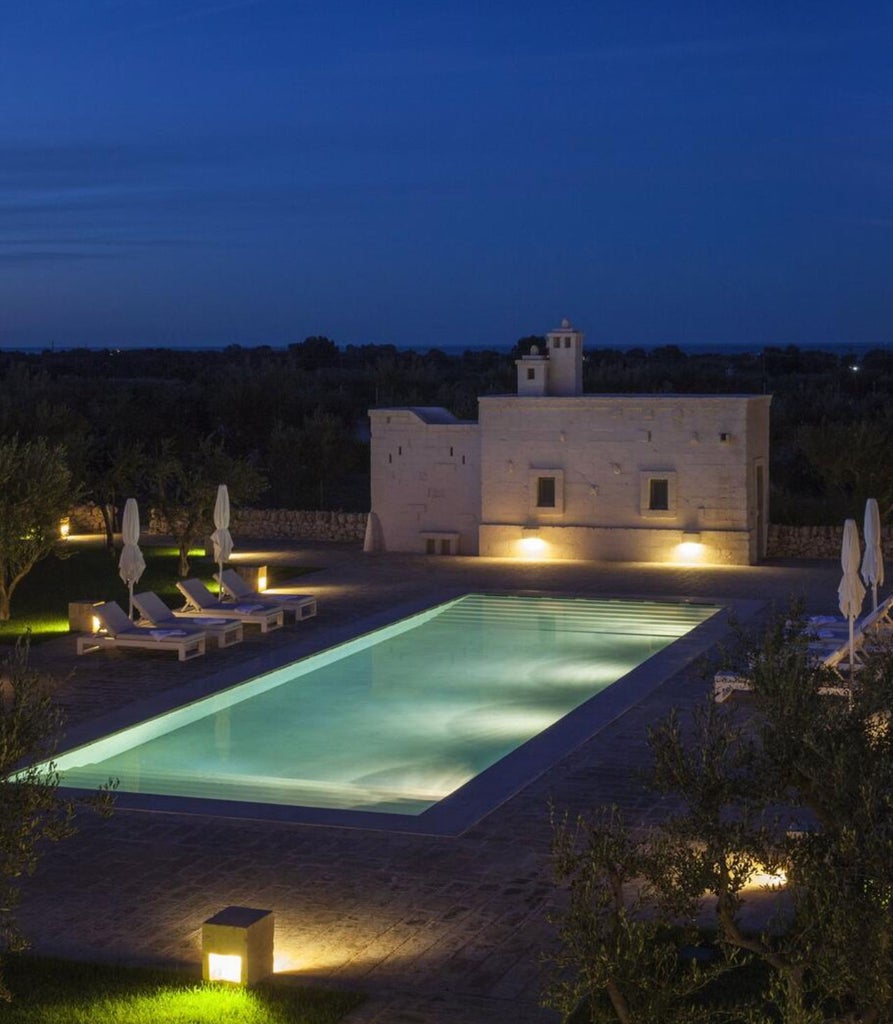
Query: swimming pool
[[395, 721]]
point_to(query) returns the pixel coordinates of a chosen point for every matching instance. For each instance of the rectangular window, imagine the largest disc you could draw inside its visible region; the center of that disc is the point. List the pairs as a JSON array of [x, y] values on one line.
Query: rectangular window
[[445, 547], [658, 494], [545, 492], [430, 546], [531, 373], [567, 342]]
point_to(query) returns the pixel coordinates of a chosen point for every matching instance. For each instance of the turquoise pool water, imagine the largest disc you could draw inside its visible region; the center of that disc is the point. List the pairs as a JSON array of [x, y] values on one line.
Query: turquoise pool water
[[394, 720]]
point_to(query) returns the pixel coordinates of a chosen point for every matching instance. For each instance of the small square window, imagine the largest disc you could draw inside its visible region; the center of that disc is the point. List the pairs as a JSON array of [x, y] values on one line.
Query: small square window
[[658, 494], [556, 343], [545, 492]]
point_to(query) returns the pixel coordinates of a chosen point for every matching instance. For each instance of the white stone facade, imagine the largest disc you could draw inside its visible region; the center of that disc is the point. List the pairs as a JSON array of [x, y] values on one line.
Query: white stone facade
[[426, 481], [553, 473]]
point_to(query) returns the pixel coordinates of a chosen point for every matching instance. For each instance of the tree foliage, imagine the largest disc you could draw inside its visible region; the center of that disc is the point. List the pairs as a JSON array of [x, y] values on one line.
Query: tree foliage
[[853, 459], [802, 784], [31, 810], [187, 478], [35, 492]]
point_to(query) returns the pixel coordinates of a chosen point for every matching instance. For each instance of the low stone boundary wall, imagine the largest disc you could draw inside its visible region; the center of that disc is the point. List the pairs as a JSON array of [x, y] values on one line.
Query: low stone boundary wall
[[259, 523], [292, 524], [86, 519], [814, 541]]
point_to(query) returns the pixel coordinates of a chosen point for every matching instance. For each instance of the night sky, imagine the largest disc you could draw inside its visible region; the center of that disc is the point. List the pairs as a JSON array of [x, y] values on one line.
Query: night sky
[[191, 172]]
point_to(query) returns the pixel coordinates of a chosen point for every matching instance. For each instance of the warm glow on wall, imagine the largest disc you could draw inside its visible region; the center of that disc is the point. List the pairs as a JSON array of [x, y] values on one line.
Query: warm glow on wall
[[261, 582], [690, 549], [64, 528], [224, 968], [533, 547], [95, 624], [762, 878]]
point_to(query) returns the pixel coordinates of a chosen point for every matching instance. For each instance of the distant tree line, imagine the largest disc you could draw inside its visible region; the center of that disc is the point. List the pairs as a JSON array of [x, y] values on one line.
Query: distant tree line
[[291, 423]]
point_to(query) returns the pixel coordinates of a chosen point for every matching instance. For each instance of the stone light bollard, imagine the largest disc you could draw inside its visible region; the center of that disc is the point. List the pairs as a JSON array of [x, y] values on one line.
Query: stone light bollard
[[237, 946]]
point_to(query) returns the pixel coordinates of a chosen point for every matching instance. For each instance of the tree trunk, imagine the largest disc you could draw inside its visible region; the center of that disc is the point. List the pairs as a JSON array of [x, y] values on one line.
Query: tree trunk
[[4, 605], [183, 568], [108, 519]]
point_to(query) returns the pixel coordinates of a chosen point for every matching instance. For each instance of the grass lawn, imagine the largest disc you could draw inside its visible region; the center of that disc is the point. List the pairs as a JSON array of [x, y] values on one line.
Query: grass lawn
[[40, 601], [47, 991]]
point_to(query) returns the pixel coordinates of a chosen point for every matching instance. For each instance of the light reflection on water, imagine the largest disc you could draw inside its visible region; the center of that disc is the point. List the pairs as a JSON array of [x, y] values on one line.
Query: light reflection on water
[[399, 720]]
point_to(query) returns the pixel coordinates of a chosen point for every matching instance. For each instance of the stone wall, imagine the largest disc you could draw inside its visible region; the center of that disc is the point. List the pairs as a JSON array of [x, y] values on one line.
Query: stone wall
[[272, 523], [813, 541], [258, 523], [86, 519]]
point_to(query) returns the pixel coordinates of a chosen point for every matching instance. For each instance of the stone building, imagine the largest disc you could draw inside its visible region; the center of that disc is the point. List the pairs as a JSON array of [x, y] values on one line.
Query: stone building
[[551, 472]]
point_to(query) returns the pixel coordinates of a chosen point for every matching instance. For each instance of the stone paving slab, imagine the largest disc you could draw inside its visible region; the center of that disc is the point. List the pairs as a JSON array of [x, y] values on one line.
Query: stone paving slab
[[433, 928]]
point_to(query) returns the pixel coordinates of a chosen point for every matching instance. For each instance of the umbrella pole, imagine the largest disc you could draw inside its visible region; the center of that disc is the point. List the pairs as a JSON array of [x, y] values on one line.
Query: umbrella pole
[[220, 579], [130, 592], [851, 651]]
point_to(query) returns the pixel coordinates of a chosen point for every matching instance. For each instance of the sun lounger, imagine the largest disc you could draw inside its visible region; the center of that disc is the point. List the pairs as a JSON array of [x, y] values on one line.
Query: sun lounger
[[302, 606], [153, 611], [201, 602], [829, 648], [119, 632]]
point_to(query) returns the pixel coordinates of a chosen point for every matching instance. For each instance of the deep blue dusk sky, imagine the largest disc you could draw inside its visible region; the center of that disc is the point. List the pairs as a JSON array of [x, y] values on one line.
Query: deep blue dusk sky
[[189, 172]]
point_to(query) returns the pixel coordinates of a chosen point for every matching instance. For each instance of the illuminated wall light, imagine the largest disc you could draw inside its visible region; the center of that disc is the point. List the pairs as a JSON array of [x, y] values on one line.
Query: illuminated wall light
[[261, 580], [533, 546], [222, 967], [64, 527], [237, 946], [95, 624], [690, 549]]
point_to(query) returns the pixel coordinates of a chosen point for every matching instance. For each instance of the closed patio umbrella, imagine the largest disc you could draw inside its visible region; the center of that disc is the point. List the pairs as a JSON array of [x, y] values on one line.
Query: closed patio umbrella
[[221, 538], [131, 564], [873, 559], [851, 593]]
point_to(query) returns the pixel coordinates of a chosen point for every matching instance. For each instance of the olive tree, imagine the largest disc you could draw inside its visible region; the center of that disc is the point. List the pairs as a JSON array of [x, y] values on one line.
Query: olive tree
[[187, 478], [35, 492], [31, 809], [798, 784]]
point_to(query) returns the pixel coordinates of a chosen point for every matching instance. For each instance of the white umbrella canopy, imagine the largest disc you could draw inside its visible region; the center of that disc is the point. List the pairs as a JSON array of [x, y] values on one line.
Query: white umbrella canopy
[[873, 560], [851, 592], [131, 564], [221, 537]]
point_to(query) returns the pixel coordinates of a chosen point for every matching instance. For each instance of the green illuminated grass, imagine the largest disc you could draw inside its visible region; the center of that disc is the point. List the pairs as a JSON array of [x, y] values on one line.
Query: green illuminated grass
[[78, 573], [49, 991]]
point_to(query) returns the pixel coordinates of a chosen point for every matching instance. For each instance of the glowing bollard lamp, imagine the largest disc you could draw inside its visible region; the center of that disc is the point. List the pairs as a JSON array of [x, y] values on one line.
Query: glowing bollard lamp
[[237, 946]]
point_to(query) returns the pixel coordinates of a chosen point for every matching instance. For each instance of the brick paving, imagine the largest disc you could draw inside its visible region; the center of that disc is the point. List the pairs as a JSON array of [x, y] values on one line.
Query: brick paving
[[432, 928]]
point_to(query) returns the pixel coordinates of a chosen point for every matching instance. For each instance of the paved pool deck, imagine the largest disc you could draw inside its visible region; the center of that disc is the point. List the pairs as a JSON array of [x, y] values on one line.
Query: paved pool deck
[[434, 928]]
